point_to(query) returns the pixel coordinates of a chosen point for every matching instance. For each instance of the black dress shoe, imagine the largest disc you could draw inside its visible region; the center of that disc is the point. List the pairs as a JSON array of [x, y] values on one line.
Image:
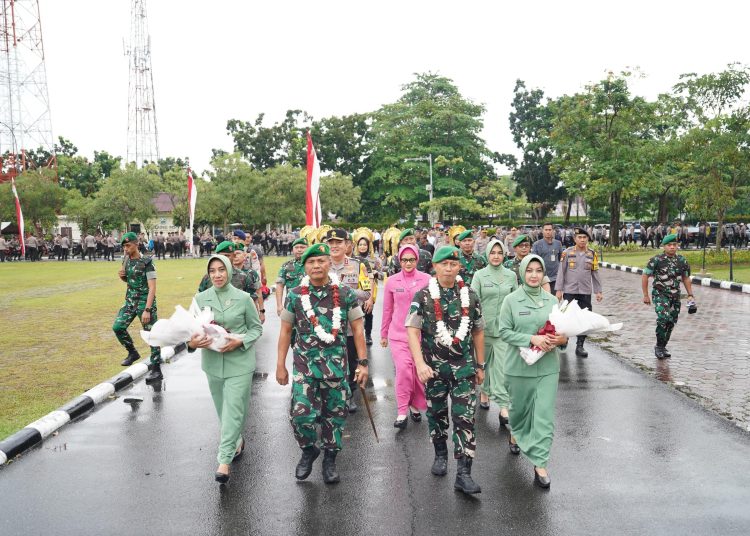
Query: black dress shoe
[[305, 465], [222, 478], [155, 374], [541, 481], [368, 340], [415, 416], [513, 447], [401, 423], [132, 358], [484, 405]]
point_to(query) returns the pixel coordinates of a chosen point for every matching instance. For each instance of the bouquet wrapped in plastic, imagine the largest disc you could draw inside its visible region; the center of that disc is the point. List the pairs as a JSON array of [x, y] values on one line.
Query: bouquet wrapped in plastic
[[567, 318], [182, 325]]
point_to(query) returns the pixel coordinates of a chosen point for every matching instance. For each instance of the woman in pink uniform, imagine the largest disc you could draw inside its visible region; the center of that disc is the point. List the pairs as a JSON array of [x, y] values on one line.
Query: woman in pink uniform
[[399, 291]]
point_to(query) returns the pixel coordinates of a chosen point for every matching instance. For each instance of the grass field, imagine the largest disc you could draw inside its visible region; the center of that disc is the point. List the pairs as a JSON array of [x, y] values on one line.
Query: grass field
[[638, 259], [56, 339]]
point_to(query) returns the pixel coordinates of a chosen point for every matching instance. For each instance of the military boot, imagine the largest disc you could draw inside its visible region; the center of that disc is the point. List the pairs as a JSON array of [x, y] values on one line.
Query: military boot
[[440, 464], [330, 476], [580, 351], [133, 356], [155, 374], [464, 481], [305, 465], [659, 352]]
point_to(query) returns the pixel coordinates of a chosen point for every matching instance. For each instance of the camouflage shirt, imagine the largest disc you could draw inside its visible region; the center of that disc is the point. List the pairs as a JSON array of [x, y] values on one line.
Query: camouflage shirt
[[245, 281], [312, 357], [291, 274], [667, 272], [137, 273], [424, 263], [470, 266], [458, 359]]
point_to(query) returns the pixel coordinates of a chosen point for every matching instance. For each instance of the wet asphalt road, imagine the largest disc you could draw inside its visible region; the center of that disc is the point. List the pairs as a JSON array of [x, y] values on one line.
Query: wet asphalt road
[[630, 456]]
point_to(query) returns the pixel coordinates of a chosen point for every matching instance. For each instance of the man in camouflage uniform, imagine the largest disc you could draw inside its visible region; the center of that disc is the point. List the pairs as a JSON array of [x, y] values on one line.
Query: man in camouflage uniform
[[521, 246], [449, 371], [470, 260], [424, 263], [319, 386], [139, 273], [291, 273], [667, 270], [245, 281]]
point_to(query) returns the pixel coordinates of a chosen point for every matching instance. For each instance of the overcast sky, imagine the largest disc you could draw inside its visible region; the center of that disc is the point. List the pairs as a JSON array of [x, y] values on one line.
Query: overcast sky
[[225, 59]]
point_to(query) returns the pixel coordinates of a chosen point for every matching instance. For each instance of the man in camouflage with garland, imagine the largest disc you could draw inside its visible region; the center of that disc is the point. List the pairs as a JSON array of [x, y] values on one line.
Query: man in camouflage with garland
[[424, 263], [291, 273], [449, 371], [139, 274], [471, 261], [319, 384], [667, 269]]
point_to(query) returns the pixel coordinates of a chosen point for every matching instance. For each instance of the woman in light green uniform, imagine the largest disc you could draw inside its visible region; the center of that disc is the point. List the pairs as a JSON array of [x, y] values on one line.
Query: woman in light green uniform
[[230, 370], [493, 283], [532, 388]]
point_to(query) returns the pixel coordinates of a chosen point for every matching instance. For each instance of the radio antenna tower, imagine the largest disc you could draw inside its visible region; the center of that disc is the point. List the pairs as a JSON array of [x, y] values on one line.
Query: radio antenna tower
[[143, 136], [25, 122]]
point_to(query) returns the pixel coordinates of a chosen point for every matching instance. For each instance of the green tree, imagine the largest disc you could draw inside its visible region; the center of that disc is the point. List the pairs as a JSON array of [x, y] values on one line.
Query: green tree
[[280, 196], [77, 173], [127, 196], [41, 199], [339, 196], [230, 198], [265, 147], [82, 210]]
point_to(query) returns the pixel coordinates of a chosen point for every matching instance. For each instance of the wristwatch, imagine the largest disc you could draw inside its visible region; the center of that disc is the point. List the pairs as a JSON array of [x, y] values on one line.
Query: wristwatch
[[363, 362], [262, 310], [481, 366], [148, 309]]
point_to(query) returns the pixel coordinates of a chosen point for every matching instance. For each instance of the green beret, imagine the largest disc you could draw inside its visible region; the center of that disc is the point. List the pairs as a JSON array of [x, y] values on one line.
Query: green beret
[[669, 238], [226, 245], [128, 237], [239, 246], [445, 253], [521, 238], [316, 250], [405, 233], [302, 241], [465, 235]]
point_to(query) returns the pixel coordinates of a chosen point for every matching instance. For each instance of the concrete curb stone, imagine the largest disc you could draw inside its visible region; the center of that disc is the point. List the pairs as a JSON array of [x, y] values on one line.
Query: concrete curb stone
[[702, 281]]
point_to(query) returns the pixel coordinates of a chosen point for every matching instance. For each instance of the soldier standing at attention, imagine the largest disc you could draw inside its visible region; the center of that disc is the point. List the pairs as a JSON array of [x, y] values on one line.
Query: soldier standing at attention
[[320, 310], [65, 247], [139, 273], [549, 249], [578, 278], [470, 261], [348, 271], [291, 273], [424, 264], [667, 269], [447, 317], [90, 244]]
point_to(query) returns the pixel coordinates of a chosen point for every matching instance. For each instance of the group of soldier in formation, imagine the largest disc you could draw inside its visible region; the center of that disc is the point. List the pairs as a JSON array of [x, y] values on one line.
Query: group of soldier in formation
[[454, 321]]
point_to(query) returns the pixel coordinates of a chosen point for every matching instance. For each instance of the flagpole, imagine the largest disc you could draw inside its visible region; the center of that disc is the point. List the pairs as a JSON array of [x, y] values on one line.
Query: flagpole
[[19, 218], [192, 198]]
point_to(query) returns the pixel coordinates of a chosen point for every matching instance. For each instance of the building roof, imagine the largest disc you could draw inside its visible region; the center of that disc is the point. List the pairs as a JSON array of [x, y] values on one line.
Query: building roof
[[163, 202]]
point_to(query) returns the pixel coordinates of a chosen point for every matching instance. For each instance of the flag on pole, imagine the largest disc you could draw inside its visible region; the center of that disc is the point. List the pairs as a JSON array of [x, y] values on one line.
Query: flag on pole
[[192, 198], [19, 218], [314, 215]]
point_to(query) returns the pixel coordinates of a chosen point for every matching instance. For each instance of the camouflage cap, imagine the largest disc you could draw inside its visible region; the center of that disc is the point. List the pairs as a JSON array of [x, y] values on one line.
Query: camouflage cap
[[405, 233], [445, 253], [225, 247], [465, 235], [669, 238], [128, 237], [316, 250], [302, 241], [520, 239]]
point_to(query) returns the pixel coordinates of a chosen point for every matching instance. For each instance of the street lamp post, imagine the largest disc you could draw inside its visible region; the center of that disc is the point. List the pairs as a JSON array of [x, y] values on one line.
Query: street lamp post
[[428, 158]]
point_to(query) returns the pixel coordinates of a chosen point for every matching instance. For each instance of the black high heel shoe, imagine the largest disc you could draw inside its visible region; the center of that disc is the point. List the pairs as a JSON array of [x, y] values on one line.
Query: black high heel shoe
[[239, 453], [222, 478], [513, 447], [416, 416], [401, 423], [541, 481], [503, 421]]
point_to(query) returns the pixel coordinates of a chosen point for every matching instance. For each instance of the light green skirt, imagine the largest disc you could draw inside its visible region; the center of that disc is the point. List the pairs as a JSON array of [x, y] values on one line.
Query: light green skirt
[[532, 414], [494, 372]]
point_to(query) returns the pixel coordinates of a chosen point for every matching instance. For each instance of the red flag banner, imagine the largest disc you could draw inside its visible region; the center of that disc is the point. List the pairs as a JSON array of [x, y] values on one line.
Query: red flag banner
[[192, 198], [19, 218], [314, 215]]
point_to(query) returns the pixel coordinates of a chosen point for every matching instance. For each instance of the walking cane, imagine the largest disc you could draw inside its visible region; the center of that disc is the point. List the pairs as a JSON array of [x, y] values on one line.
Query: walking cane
[[369, 412]]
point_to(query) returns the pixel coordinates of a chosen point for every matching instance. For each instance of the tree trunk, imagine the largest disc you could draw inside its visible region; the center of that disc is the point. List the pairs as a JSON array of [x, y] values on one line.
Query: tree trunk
[[567, 211], [663, 208], [720, 229], [614, 218]]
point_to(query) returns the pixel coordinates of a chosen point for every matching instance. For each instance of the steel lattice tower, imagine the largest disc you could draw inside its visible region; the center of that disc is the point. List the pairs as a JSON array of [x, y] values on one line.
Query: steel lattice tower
[[143, 137], [25, 122]]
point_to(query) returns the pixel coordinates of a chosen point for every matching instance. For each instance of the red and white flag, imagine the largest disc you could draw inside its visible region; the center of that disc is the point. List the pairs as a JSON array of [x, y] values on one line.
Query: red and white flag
[[314, 215], [19, 218], [192, 198]]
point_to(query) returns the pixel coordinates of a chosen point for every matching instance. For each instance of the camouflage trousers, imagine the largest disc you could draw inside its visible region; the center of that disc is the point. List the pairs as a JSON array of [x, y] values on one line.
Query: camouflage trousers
[[463, 400], [667, 310], [125, 317], [318, 401]]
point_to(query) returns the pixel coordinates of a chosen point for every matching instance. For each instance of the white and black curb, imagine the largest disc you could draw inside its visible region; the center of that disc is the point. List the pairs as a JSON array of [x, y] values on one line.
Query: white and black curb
[[40, 429], [702, 281]]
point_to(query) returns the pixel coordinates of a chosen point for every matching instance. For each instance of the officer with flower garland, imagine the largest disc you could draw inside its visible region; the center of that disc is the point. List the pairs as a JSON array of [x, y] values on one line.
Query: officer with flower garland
[[320, 310], [446, 329]]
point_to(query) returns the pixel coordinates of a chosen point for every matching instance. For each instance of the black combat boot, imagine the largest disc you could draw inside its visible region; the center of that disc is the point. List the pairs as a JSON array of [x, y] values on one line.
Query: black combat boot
[[133, 356], [330, 476], [440, 464], [463, 477], [155, 374], [305, 465], [580, 351], [659, 352]]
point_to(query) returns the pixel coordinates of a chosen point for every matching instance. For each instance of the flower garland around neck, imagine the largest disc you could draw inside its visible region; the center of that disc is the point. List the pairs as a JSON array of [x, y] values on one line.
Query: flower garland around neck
[[444, 336], [321, 333]]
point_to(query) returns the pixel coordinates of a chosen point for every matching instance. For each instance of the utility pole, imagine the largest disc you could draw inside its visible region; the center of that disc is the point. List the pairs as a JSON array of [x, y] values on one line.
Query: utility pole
[[429, 187]]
